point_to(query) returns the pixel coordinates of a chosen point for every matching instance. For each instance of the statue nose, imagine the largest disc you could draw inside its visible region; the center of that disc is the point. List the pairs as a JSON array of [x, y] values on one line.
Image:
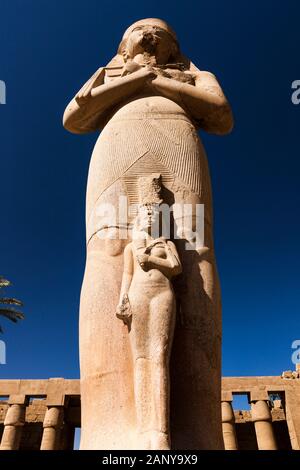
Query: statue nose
[[148, 34]]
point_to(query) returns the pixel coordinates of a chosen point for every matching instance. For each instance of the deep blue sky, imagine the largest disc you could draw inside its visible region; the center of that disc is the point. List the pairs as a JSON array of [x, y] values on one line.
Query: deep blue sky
[[48, 49]]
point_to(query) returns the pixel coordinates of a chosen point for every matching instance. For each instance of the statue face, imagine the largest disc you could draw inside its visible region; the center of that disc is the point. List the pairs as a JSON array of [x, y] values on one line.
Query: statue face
[[152, 41], [148, 216]]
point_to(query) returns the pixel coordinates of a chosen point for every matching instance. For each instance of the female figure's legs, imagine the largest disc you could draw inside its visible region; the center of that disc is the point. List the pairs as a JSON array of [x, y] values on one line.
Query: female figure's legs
[[139, 340], [151, 336], [162, 324]]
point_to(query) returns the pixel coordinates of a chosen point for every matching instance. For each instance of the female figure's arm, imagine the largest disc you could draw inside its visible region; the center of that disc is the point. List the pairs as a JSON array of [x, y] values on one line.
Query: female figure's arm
[[127, 272], [205, 101], [170, 266], [83, 114]]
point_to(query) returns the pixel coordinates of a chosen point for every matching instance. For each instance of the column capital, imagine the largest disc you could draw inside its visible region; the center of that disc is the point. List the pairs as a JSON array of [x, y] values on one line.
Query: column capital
[[227, 412], [260, 411], [15, 415], [54, 417]]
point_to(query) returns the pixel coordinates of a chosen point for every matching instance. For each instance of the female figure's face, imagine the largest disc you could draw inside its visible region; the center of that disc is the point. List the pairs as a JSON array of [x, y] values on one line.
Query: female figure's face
[[148, 216], [152, 41]]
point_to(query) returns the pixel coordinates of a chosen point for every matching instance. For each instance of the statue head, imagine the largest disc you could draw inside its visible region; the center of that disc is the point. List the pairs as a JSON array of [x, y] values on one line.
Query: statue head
[[148, 216], [149, 39]]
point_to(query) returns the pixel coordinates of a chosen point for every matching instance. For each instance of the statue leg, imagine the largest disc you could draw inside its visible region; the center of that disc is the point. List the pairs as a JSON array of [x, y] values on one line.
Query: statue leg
[[142, 365], [162, 323]]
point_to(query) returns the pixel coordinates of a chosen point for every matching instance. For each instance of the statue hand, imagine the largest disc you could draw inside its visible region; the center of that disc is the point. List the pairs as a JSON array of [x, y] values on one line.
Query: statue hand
[[142, 260], [130, 67], [120, 311], [150, 73], [123, 310], [85, 93], [146, 73]]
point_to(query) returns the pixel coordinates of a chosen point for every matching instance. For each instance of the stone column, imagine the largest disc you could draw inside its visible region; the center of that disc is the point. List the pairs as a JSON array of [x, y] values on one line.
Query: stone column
[[53, 422], [262, 419], [14, 422], [228, 422]]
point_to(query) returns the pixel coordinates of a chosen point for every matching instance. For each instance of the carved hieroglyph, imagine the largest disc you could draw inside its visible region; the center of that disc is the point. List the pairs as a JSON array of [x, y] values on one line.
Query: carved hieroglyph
[[149, 102]]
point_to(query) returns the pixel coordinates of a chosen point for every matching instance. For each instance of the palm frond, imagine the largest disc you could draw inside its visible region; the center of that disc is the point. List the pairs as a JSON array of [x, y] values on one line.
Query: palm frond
[[10, 301], [4, 282], [12, 314], [5, 310]]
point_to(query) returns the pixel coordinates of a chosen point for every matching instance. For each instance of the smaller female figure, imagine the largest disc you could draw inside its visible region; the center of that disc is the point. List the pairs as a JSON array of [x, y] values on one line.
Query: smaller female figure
[[147, 305]]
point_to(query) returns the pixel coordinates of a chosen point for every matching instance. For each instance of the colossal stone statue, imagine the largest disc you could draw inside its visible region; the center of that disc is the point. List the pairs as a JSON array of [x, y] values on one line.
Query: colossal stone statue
[[149, 102]]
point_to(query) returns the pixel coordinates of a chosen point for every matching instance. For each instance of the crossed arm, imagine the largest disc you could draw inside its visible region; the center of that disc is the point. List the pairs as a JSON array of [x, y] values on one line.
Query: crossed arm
[[83, 114], [169, 266], [205, 102]]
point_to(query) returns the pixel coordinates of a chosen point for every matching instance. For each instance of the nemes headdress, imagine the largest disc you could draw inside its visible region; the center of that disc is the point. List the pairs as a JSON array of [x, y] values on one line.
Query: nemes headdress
[[118, 60], [155, 22]]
